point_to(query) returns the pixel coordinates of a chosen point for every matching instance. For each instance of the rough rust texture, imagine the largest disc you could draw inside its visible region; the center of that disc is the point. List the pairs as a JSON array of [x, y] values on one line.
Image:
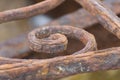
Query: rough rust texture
[[78, 19], [58, 67], [52, 69], [40, 41], [106, 17], [82, 18], [29, 11]]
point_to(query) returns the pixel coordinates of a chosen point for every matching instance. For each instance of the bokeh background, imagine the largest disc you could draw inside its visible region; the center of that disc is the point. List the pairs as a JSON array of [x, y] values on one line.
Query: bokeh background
[[15, 28]]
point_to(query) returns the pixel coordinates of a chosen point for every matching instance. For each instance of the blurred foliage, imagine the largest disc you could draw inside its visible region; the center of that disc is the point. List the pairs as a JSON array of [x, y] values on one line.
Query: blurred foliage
[[100, 75]]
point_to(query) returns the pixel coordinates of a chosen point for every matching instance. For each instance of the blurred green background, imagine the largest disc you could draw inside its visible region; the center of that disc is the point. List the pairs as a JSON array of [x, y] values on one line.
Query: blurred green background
[[11, 29], [101, 75]]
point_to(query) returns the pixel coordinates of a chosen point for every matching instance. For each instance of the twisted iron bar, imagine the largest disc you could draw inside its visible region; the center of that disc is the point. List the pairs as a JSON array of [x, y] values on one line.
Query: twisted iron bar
[[47, 39], [29, 11], [105, 16], [17, 47], [22, 69]]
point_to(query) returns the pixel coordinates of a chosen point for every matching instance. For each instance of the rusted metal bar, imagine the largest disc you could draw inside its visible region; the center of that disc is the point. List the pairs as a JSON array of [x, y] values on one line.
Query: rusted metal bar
[[17, 47], [106, 17], [59, 67], [78, 18], [29, 11], [100, 61], [54, 68], [47, 40], [84, 19]]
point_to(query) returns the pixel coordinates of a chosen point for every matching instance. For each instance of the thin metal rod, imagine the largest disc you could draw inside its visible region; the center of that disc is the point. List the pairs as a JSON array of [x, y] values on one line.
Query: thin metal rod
[[29, 11], [105, 16], [58, 67], [78, 18], [82, 18], [47, 40]]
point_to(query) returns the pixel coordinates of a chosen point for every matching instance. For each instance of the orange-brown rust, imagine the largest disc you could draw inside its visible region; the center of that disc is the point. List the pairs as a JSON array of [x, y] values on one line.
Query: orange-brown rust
[[106, 17], [58, 67], [29, 11], [40, 41], [81, 17], [52, 69]]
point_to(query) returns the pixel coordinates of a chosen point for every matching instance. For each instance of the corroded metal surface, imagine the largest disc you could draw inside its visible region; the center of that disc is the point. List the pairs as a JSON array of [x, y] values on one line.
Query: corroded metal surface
[[62, 66], [106, 17], [59, 67], [82, 18], [29, 11], [44, 39], [77, 18]]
